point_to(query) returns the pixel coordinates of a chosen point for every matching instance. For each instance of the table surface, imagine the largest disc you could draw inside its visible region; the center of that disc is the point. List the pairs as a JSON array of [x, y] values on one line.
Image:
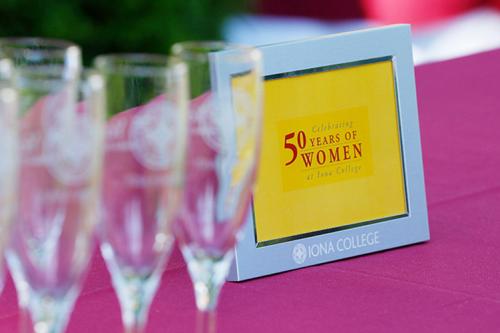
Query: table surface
[[450, 284]]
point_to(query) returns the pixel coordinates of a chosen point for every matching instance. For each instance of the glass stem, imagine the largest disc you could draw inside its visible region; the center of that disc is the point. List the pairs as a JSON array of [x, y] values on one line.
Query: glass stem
[[134, 314], [208, 275], [136, 295], [50, 315], [135, 291], [205, 321], [139, 328]]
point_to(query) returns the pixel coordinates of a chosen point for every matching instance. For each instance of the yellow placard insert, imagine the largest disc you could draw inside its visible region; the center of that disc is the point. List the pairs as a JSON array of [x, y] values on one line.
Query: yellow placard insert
[[324, 148], [331, 154]]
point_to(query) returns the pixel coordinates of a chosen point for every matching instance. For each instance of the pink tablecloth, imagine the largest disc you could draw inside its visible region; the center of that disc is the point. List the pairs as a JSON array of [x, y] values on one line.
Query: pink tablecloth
[[450, 284]]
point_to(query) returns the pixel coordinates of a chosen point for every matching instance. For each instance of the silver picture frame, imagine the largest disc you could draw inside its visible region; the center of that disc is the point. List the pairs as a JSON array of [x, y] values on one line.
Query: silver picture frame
[[252, 260]]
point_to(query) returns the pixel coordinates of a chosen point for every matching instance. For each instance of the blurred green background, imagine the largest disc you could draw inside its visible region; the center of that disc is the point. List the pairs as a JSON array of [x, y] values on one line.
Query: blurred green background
[[104, 26]]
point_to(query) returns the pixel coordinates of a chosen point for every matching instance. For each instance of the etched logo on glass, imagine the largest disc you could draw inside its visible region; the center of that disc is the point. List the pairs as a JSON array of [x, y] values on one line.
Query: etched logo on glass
[[206, 124], [152, 135], [68, 131]]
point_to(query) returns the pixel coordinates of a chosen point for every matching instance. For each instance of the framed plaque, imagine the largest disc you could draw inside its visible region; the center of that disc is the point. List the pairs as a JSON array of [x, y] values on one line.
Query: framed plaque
[[341, 170]]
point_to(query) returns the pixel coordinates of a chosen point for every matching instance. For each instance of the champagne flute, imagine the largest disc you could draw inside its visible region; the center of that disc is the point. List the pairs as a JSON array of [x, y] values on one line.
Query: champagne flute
[[44, 57], [224, 136], [143, 174], [61, 130], [9, 156]]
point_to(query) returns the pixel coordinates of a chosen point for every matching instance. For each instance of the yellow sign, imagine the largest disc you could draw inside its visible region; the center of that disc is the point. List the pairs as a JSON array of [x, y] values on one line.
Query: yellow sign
[[325, 148], [331, 153]]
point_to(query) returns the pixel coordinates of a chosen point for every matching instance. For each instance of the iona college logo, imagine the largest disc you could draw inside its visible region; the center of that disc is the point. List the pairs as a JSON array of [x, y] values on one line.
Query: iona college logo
[[299, 253], [152, 135], [68, 140], [218, 125], [206, 124]]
